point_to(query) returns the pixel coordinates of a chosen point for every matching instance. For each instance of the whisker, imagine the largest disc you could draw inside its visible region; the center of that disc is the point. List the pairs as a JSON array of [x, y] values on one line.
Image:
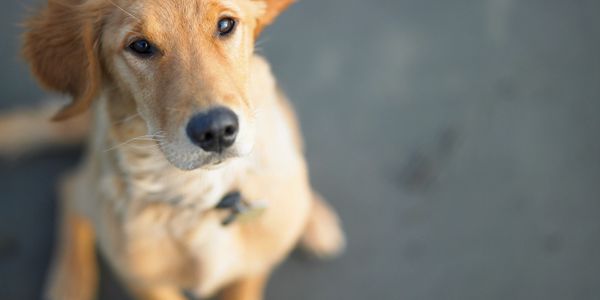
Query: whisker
[[135, 33], [261, 42], [123, 10], [145, 138], [257, 112], [176, 110], [127, 119]]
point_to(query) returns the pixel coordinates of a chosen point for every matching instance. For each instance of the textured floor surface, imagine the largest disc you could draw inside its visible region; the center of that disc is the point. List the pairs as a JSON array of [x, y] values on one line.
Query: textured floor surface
[[458, 139]]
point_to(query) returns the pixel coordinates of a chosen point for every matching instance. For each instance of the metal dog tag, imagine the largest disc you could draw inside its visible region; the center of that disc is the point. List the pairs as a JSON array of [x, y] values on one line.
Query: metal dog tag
[[252, 211], [241, 210]]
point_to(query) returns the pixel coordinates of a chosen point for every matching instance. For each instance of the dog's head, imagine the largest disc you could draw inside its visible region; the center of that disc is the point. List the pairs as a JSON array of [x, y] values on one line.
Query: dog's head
[[185, 64]]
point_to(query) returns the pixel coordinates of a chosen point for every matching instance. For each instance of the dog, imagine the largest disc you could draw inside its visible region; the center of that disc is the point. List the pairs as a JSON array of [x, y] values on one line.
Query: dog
[[194, 177]]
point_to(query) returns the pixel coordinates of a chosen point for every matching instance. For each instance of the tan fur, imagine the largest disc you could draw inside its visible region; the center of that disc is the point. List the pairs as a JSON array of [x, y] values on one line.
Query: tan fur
[[24, 131], [75, 249], [144, 192]]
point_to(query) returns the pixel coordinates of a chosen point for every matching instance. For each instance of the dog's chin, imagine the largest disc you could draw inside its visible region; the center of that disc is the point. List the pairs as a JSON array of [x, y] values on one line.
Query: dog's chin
[[199, 161]]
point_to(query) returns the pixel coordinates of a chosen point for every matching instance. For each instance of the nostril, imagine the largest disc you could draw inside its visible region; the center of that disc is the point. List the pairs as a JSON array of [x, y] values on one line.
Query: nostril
[[208, 136], [230, 130]]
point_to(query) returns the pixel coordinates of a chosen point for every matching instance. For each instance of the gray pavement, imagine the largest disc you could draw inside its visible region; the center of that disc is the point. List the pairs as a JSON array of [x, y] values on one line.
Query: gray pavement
[[458, 139]]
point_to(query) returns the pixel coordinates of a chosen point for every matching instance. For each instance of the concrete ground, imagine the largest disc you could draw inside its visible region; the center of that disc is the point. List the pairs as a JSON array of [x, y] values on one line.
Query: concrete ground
[[459, 141]]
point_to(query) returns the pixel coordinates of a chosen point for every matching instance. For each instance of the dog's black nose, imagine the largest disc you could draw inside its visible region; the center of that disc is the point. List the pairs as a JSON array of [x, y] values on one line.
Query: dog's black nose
[[214, 130]]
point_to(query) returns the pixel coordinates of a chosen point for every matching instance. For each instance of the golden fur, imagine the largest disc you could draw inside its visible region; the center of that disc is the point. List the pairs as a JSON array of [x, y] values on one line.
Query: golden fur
[[144, 193]]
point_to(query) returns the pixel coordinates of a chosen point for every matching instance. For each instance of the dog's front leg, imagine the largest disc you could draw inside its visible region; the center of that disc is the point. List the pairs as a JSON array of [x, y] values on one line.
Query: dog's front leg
[[247, 288], [155, 293], [73, 274], [323, 236]]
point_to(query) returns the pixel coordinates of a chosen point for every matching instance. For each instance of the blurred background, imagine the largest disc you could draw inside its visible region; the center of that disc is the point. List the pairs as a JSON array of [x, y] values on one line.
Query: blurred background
[[459, 140]]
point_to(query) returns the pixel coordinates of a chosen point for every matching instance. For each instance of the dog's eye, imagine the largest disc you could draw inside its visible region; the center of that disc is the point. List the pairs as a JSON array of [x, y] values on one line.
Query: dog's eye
[[142, 48], [225, 26]]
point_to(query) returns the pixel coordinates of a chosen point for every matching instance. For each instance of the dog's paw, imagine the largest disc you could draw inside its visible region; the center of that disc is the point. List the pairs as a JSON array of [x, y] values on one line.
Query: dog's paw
[[323, 237], [70, 282]]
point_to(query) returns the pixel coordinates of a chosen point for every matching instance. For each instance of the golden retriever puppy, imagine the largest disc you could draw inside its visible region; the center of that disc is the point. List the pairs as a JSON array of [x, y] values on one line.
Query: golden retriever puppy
[[194, 177]]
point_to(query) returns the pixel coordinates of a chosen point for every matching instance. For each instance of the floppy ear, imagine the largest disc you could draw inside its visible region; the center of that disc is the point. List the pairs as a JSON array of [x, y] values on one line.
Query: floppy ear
[[272, 9], [60, 45]]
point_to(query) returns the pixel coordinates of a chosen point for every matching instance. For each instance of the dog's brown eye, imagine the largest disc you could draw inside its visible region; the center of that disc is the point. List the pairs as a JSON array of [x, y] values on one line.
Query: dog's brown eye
[[226, 26], [142, 48]]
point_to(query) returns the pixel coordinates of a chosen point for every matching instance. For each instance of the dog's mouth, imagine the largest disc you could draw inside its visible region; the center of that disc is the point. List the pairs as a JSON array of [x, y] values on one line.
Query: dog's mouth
[[216, 161], [188, 158]]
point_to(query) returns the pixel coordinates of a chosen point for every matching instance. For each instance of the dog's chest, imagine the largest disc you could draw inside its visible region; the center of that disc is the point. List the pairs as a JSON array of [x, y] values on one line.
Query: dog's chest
[[164, 225]]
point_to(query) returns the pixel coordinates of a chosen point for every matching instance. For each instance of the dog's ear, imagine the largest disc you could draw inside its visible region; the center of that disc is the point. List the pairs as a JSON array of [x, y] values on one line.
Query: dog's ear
[[272, 9], [60, 44]]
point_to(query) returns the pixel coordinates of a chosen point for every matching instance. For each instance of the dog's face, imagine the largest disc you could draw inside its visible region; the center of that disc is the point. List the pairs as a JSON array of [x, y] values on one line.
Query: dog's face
[[185, 63]]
